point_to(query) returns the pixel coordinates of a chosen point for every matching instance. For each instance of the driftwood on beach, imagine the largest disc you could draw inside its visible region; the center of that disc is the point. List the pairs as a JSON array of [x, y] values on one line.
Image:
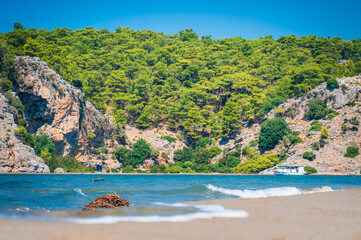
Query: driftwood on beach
[[107, 201]]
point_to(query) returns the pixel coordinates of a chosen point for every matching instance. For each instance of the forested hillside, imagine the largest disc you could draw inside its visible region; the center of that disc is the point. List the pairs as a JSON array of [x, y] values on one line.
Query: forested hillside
[[192, 83]]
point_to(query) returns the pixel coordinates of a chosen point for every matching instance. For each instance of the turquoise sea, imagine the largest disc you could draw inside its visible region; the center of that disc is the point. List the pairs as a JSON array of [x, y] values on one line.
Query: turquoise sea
[[154, 197]]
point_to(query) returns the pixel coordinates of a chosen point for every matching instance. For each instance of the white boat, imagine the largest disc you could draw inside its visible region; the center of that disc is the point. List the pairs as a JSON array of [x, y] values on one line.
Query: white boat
[[289, 170]]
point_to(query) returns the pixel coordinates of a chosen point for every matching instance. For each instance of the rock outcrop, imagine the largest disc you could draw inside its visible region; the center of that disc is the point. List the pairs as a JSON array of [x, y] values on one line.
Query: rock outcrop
[[58, 109], [15, 157], [107, 201], [330, 158]]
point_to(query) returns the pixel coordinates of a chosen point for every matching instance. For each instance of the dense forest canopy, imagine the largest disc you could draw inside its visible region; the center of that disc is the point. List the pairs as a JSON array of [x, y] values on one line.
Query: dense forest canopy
[[201, 86]]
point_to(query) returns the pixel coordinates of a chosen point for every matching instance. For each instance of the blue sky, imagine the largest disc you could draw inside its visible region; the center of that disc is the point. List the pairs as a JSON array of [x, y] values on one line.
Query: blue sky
[[220, 19]]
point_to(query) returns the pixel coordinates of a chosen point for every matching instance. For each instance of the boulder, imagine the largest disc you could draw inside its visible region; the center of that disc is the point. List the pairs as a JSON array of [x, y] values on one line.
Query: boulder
[[107, 201], [59, 170]]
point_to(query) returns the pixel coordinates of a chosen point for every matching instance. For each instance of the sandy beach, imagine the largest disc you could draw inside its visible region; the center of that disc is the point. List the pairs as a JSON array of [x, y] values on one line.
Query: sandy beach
[[330, 215]]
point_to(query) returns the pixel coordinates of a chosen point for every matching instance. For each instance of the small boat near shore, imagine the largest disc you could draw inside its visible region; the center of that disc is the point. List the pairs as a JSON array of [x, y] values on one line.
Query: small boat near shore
[[289, 170]]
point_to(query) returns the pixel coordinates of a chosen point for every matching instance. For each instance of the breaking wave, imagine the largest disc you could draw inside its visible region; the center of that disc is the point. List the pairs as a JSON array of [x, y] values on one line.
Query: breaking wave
[[203, 212], [78, 190], [269, 192]]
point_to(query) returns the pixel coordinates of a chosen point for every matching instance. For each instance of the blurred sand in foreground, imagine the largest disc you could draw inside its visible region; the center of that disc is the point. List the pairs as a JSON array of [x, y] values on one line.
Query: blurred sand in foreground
[[329, 215]]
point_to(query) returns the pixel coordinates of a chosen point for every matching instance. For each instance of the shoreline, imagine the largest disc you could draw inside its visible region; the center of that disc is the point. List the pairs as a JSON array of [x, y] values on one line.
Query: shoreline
[[326, 215], [167, 174]]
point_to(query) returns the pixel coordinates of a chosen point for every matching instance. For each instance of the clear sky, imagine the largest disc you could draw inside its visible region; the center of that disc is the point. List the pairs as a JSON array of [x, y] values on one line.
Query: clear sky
[[220, 19]]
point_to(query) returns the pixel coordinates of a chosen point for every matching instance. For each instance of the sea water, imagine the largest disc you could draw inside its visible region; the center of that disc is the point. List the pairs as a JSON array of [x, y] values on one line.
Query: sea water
[[153, 197]]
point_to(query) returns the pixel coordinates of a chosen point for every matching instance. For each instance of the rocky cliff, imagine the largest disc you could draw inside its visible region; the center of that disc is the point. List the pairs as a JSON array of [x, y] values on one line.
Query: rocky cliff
[[14, 155], [58, 109], [330, 158]]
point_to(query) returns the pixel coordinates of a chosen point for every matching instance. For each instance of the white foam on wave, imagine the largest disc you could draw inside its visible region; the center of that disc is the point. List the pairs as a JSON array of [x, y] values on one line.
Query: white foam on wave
[[78, 190], [263, 193], [204, 212]]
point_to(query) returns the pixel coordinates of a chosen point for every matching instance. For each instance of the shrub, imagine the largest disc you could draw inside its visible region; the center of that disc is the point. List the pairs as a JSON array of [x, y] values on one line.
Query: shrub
[[68, 163], [43, 141], [170, 139], [316, 109], [158, 169], [183, 155], [18, 105], [101, 150], [332, 83], [121, 154], [272, 131], [256, 163], [316, 146], [351, 104], [253, 143], [353, 128], [91, 135], [165, 155], [154, 152], [270, 104], [6, 85], [344, 127], [128, 169], [322, 143], [233, 161], [24, 136], [355, 122], [203, 142], [141, 150], [309, 156], [315, 126], [344, 87], [324, 132], [214, 151], [351, 152], [114, 170], [310, 170]]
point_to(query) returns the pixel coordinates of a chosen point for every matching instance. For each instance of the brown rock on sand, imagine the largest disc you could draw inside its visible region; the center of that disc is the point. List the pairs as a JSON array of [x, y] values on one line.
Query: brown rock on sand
[[107, 201]]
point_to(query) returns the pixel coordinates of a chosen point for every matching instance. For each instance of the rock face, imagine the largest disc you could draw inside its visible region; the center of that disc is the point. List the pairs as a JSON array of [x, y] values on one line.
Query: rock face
[[107, 201], [14, 155], [58, 109], [330, 158]]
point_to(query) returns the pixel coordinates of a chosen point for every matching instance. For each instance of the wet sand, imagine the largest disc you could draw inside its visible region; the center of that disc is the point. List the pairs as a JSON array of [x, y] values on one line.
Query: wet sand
[[330, 215]]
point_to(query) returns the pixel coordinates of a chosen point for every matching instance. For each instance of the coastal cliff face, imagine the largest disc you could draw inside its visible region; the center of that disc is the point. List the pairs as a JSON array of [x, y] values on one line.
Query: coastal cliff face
[[14, 155], [55, 107], [330, 158]]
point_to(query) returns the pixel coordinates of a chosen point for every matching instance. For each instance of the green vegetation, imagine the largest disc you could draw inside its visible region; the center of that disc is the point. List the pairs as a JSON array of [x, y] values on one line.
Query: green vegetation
[[324, 132], [170, 139], [69, 164], [101, 150], [309, 156], [310, 170], [272, 103], [332, 83], [204, 88], [316, 109], [201, 86], [351, 104], [256, 163], [272, 131], [315, 126], [141, 150], [352, 152]]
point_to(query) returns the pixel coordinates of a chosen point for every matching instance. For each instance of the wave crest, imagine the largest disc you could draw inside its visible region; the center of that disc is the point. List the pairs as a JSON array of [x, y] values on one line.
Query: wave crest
[[263, 193], [204, 212]]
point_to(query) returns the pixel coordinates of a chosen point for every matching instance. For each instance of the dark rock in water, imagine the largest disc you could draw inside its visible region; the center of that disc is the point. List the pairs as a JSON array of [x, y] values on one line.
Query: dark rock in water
[[97, 179], [107, 201]]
